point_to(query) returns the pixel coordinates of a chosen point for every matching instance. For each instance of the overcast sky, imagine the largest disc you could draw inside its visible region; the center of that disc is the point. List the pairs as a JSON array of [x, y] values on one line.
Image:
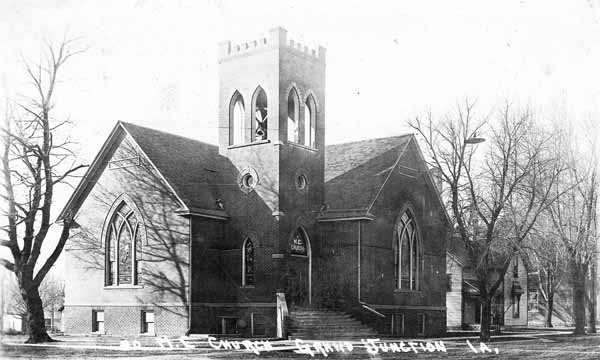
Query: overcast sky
[[155, 63]]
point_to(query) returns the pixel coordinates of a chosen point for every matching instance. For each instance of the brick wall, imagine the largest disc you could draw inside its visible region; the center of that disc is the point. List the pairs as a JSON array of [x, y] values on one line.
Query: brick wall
[[163, 269], [377, 281], [126, 320]]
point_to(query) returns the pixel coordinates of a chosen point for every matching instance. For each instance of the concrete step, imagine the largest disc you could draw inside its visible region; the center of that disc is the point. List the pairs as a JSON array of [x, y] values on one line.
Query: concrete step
[[310, 323]]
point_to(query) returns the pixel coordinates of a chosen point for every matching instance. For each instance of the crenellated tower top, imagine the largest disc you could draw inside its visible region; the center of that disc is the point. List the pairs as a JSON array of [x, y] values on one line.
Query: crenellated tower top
[[277, 39]]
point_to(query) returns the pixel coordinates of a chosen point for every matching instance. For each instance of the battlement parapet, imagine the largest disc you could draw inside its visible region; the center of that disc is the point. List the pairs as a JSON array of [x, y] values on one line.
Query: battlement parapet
[[277, 39]]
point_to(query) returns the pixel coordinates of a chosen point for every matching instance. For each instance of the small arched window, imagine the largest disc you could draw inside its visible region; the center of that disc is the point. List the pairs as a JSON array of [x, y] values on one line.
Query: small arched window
[[259, 113], [310, 122], [236, 119], [407, 256], [123, 247], [292, 123], [247, 263]]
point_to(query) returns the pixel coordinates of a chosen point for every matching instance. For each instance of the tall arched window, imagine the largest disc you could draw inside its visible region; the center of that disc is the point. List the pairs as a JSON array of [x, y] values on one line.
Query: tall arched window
[[407, 253], [310, 122], [123, 246], [259, 113], [247, 263], [292, 124], [236, 119]]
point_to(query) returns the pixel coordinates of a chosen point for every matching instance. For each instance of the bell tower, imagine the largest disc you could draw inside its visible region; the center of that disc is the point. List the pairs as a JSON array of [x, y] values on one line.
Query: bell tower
[[272, 129], [271, 116]]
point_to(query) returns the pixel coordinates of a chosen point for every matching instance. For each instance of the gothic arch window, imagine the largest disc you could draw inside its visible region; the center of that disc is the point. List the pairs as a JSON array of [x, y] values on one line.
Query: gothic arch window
[[124, 234], [248, 263], [259, 114], [310, 122], [407, 253], [236, 119], [293, 130]]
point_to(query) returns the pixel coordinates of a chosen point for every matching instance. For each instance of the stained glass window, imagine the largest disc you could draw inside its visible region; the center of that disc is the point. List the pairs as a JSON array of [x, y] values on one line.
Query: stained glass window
[[407, 254], [123, 250], [248, 263]]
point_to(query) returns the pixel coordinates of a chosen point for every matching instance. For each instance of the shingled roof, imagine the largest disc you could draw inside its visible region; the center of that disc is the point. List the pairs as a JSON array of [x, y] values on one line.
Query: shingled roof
[[355, 171], [190, 166]]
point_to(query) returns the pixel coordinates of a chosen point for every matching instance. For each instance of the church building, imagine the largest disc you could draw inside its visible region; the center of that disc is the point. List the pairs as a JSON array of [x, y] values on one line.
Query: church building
[[269, 233]]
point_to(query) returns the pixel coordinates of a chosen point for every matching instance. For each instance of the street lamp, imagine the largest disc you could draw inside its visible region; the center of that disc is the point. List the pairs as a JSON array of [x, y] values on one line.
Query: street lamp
[[474, 140]]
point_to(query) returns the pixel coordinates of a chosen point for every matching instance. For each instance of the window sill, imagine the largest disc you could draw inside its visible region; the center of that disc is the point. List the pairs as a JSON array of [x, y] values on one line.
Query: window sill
[[110, 287], [147, 335], [248, 144], [407, 291], [247, 287], [300, 146]]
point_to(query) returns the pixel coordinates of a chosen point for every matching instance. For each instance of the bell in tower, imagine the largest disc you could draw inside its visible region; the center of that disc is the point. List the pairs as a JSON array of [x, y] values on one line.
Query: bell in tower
[[260, 116]]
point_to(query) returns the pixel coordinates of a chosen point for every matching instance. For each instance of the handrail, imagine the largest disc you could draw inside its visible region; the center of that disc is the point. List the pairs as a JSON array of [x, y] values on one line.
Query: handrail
[[367, 307], [282, 314]]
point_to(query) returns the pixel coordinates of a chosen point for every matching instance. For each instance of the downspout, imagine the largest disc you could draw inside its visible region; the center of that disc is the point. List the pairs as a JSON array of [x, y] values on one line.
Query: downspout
[[189, 331], [359, 260]]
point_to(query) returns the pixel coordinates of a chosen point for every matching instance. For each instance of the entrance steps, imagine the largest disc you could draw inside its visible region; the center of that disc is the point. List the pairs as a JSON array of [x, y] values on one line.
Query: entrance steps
[[324, 324]]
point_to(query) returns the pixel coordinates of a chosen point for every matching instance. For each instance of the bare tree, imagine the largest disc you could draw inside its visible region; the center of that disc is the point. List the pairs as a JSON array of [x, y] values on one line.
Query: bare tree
[[36, 156], [547, 254], [574, 220], [496, 196], [52, 293]]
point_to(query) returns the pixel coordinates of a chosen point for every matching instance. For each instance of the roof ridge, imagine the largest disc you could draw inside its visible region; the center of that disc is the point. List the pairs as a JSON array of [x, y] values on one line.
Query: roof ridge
[[125, 123], [372, 139]]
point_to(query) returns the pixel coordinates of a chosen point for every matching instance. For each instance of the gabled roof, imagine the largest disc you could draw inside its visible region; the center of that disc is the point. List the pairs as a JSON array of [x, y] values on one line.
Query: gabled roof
[[356, 171], [190, 168], [341, 158]]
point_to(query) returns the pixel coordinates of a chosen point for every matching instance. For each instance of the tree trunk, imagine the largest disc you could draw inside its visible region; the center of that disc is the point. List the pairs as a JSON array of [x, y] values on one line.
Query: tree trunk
[[592, 302], [549, 309], [35, 325], [486, 310], [578, 278]]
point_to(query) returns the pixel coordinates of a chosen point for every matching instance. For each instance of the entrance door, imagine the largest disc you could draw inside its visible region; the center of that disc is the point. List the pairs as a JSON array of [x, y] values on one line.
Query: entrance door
[[298, 289], [298, 283]]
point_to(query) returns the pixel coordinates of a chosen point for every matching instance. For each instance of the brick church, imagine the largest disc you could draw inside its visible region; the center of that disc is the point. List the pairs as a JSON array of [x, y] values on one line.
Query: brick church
[[269, 227]]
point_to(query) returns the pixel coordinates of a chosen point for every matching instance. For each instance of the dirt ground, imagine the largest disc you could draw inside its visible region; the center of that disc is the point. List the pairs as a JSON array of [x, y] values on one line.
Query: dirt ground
[[541, 346]]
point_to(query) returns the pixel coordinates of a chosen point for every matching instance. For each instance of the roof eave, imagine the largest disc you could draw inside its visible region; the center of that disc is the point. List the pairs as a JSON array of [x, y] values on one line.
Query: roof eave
[[345, 215], [204, 213]]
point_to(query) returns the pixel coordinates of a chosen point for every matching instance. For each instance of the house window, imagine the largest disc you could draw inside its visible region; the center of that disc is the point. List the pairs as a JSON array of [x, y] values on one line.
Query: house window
[[123, 247], [248, 263], [259, 111], [532, 304], [258, 325], [292, 123], [516, 306], [310, 122], [98, 321], [421, 324], [229, 325], [236, 119], [407, 254], [398, 324], [147, 322]]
